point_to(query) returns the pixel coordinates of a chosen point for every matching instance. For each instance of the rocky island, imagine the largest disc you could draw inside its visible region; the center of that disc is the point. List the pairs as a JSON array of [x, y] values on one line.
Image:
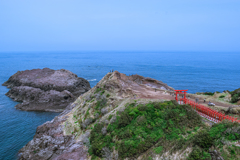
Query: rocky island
[[45, 89], [131, 117]]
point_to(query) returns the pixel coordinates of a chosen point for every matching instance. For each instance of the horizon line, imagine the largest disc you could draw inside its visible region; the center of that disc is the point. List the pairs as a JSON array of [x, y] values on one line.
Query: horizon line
[[169, 51]]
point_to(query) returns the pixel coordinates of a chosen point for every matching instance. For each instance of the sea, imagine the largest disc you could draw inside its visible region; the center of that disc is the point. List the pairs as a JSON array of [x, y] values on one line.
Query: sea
[[195, 71]]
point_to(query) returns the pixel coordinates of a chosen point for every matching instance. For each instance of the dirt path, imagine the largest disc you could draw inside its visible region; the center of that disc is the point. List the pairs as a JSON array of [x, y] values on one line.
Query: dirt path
[[136, 87]]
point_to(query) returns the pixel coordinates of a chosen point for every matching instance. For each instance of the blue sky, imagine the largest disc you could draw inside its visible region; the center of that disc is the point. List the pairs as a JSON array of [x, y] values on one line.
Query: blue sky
[[142, 25]]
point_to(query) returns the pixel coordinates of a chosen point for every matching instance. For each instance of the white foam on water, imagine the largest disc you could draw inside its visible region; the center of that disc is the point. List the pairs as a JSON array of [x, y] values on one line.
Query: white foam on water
[[92, 79]]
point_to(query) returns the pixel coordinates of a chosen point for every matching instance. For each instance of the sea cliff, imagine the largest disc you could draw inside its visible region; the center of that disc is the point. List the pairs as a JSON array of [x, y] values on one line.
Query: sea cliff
[[131, 117]]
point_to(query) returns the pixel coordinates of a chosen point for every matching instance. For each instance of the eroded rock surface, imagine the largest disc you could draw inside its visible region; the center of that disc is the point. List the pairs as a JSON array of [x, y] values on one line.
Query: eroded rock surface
[[67, 135], [49, 142], [71, 134], [45, 89]]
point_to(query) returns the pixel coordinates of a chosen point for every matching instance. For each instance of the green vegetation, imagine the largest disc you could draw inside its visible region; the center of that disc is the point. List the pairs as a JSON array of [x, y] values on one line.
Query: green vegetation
[[216, 136], [235, 95], [222, 96], [140, 127], [102, 92], [100, 104], [150, 158], [235, 98], [206, 93], [198, 154], [162, 127], [226, 130], [110, 116], [98, 90], [158, 149], [209, 93]]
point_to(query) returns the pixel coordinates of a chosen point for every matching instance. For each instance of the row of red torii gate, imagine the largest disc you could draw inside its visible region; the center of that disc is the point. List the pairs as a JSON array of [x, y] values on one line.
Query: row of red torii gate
[[204, 111]]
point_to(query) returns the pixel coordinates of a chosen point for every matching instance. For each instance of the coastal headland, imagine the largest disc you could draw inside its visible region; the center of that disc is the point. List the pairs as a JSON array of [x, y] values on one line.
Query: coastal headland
[[133, 117]]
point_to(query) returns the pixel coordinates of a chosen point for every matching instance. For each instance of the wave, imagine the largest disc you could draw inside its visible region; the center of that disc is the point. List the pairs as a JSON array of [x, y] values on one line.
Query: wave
[[92, 80]]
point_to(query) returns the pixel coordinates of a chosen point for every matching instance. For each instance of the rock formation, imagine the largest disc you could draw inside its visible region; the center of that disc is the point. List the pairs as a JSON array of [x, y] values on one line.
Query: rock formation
[[65, 137], [45, 89], [128, 117]]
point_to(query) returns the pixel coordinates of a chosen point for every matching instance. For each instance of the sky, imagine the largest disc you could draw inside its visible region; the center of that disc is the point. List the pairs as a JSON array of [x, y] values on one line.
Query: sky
[[119, 25]]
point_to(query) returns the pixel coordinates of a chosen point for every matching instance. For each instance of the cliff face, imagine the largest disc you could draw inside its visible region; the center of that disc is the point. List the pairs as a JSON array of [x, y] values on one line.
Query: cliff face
[[129, 117], [45, 89], [67, 135]]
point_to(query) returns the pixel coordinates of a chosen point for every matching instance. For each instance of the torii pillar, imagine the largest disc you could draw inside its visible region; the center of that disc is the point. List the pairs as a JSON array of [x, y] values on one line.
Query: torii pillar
[[181, 92]]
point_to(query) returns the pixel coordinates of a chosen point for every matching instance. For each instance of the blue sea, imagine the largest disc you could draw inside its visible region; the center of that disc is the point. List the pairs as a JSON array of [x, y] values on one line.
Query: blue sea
[[195, 71]]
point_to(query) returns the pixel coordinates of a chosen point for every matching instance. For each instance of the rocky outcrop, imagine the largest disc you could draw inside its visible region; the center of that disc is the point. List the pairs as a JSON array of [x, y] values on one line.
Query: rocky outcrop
[[45, 89], [101, 112], [49, 142], [67, 135]]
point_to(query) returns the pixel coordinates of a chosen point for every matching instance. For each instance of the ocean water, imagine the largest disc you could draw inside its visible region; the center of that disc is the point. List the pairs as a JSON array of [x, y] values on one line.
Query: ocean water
[[195, 71]]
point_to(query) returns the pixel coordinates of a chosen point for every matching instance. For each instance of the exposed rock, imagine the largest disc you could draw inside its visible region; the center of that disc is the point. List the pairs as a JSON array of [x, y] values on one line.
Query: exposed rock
[[67, 135], [216, 155], [107, 153], [104, 110], [86, 122], [104, 130], [238, 102], [49, 142], [114, 118], [45, 89], [234, 111]]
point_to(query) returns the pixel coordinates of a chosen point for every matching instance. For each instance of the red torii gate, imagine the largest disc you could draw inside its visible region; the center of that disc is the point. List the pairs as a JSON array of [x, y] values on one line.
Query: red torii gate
[[180, 92], [203, 110]]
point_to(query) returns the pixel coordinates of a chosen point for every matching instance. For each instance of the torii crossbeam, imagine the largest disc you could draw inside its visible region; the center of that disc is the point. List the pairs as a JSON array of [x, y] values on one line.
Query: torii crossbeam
[[180, 92]]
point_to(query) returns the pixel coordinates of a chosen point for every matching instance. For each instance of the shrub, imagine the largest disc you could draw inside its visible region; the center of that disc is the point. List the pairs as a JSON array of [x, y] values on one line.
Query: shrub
[[98, 140], [235, 95], [174, 102], [234, 98], [203, 139], [225, 129], [124, 119], [110, 116], [142, 107], [101, 103], [98, 90], [199, 154], [237, 91], [138, 128], [222, 96], [158, 150], [102, 92], [209, 93]]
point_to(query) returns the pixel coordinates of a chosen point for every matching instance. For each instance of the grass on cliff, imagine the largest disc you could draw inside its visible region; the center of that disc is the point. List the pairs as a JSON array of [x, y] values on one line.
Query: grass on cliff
[[163, 127], [235, 95], [219, 137], [140, 127]]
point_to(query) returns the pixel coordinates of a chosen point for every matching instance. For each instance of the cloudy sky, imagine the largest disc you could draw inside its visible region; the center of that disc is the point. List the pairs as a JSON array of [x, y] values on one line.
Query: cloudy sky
[[139, 25]]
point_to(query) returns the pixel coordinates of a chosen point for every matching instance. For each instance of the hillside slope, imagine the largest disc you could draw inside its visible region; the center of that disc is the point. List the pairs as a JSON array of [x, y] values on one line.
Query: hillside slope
[[131, 117]]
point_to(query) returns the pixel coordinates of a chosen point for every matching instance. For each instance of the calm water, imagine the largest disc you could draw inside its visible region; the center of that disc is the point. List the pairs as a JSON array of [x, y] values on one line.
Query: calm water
[[196, 71]]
